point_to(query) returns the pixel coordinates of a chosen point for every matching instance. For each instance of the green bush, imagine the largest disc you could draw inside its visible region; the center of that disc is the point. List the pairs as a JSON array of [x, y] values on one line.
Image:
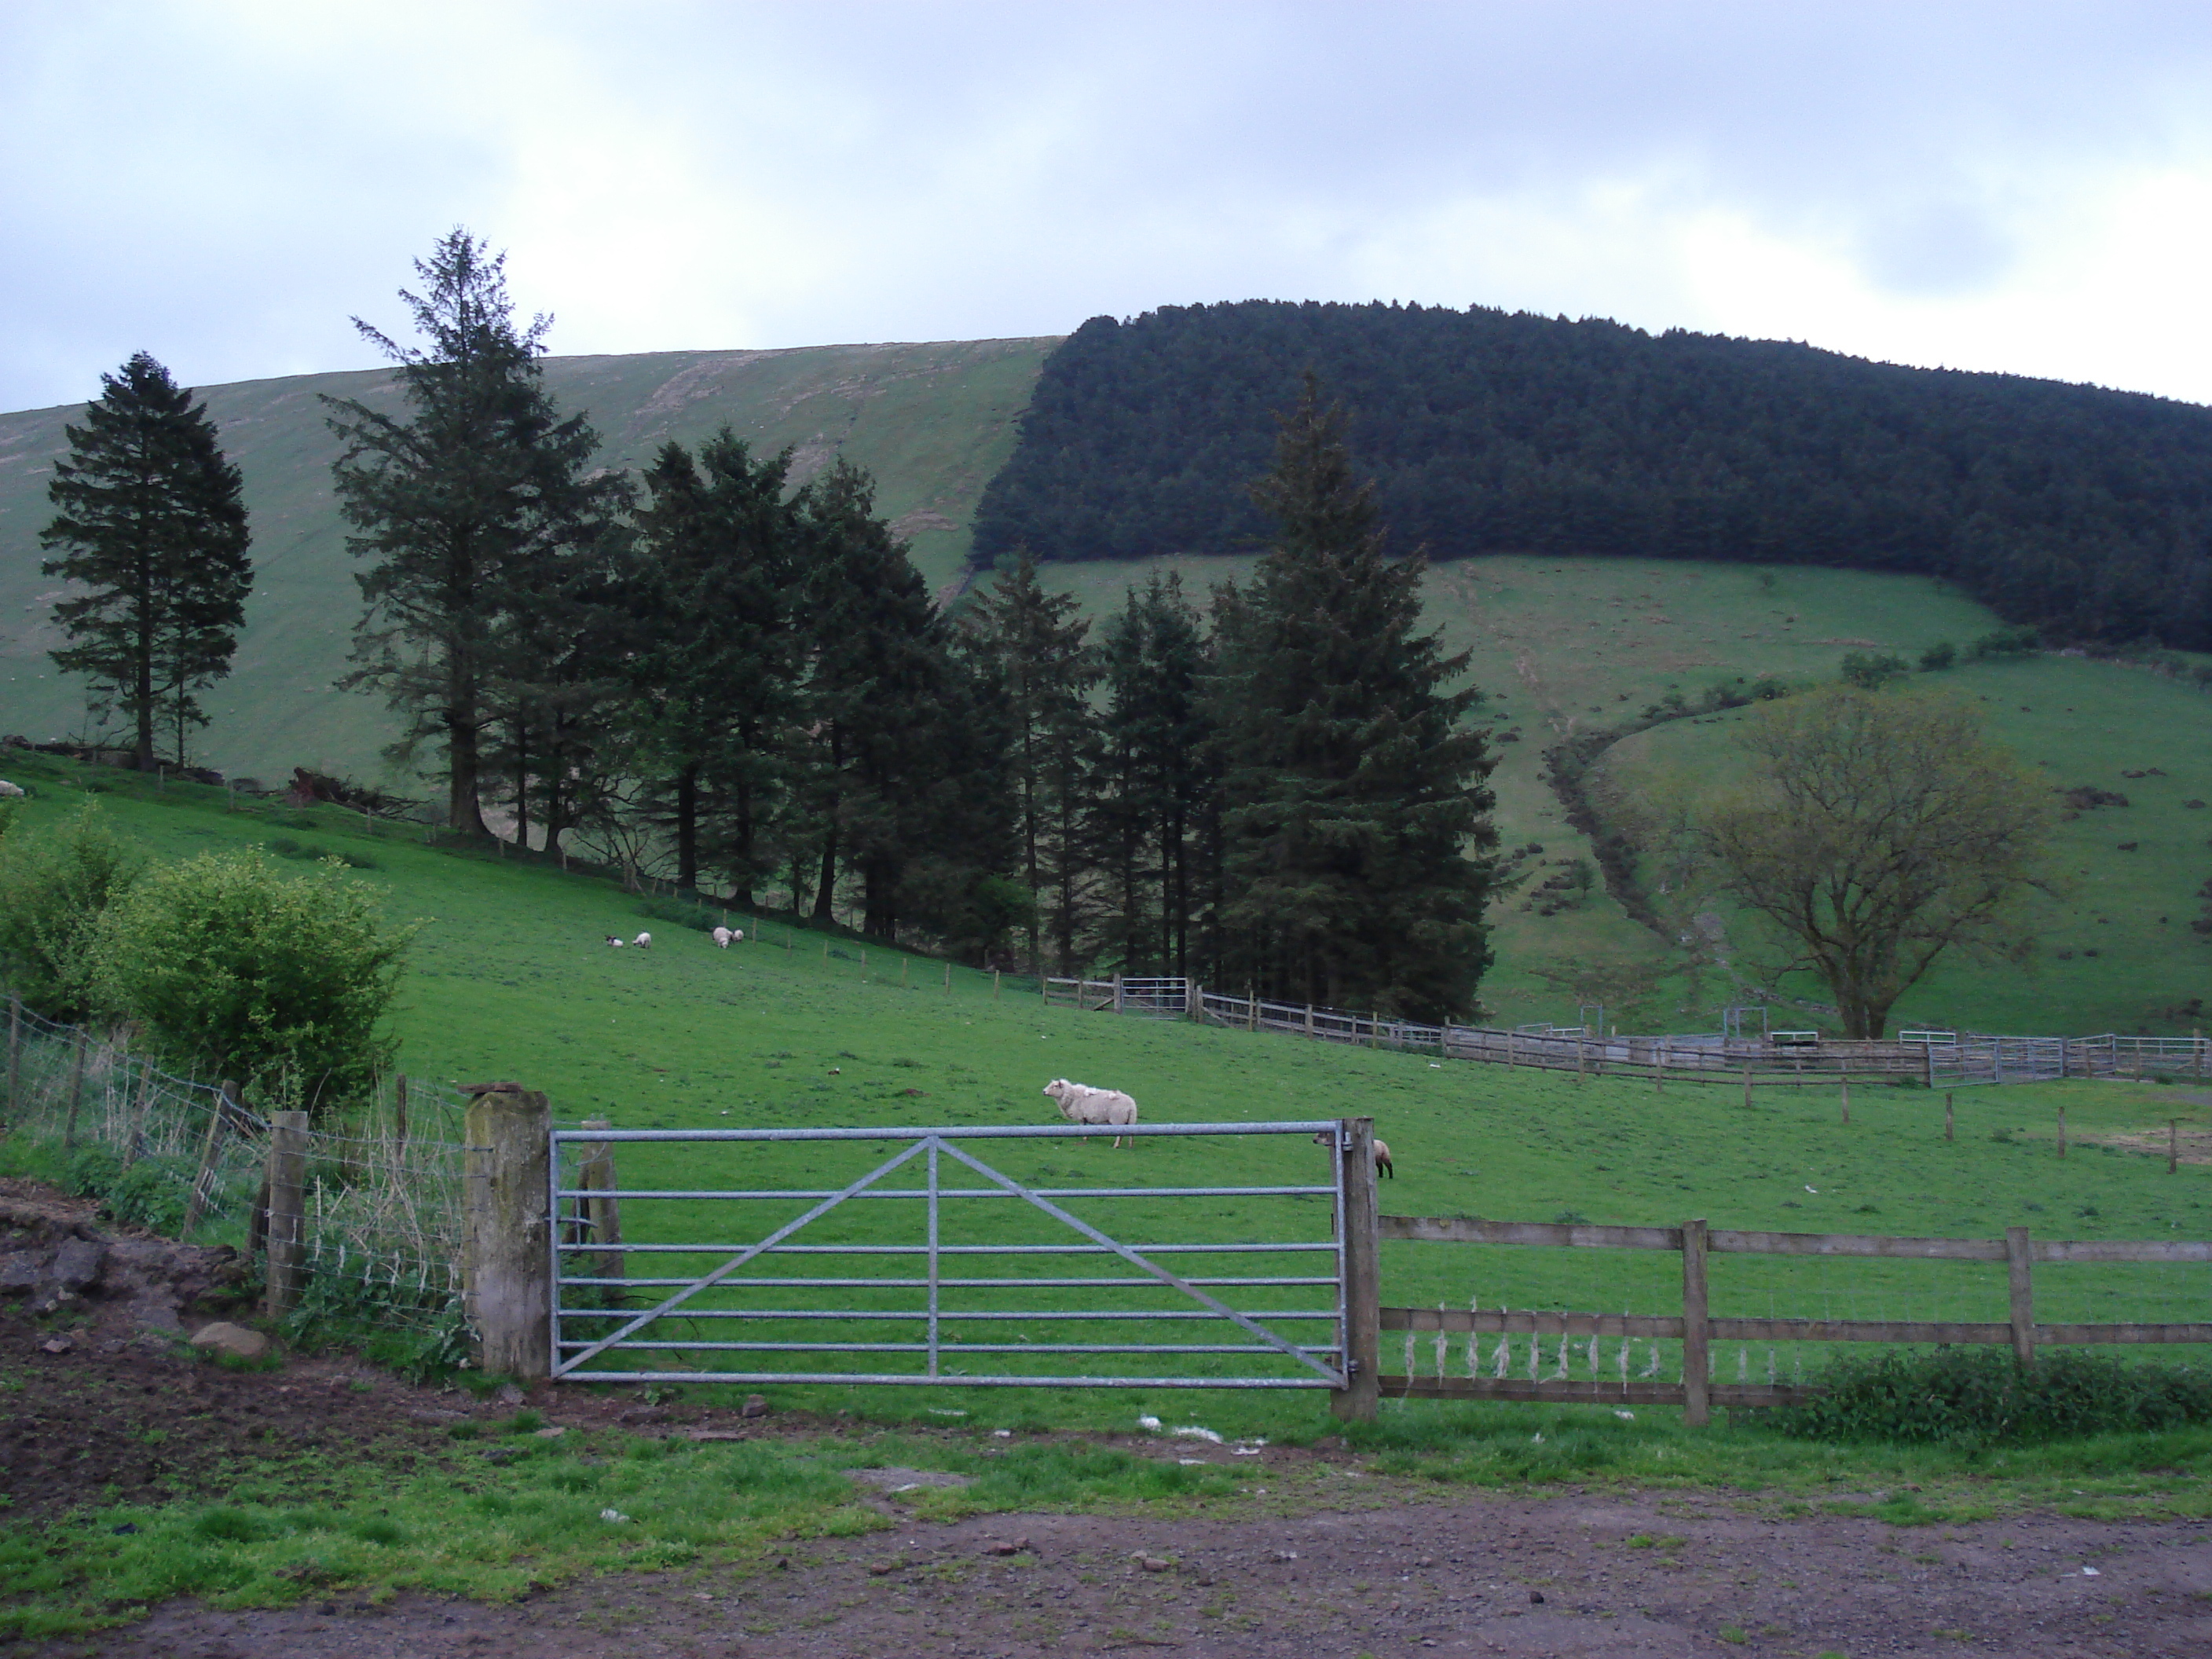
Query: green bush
[[2007, 642], [1980, 1396], [1938, 657], [285, 848], [55, 884], [1872, 670], [153, 1193], [278, 982]]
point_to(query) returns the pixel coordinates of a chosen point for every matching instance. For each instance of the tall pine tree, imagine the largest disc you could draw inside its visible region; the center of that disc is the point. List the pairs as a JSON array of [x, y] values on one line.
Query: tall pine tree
[[1355, 823], [720, 587], [1031, 645], [460, 508], [1160, 778], [151, 527]]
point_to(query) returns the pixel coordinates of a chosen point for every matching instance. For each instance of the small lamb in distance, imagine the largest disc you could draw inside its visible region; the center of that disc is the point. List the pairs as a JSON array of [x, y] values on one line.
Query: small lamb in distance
[[643, 941], [1382, 1164], [1079, 1102], [723, 936], [613, 944]]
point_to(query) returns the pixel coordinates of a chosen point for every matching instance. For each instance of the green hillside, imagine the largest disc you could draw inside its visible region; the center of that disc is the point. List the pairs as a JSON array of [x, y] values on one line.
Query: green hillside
[[1565, 646], [932, 422], [686, 1035], [2117, 951]]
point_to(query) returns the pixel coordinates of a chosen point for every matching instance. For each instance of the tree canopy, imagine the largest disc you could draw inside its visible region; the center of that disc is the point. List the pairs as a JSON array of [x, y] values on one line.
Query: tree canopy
[[1878, 830], [2085, 512], [151, 525]]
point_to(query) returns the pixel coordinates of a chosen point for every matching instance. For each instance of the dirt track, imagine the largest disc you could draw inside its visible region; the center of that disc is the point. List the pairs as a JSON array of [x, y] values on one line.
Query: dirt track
[[1463, 1579]]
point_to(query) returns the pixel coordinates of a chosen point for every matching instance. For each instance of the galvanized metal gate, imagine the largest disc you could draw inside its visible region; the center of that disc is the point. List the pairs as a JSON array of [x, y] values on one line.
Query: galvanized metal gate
[[596, 1343]]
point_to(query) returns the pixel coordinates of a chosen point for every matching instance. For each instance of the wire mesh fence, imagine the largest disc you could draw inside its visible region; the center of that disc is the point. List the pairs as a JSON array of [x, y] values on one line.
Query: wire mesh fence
[[376, 1234]]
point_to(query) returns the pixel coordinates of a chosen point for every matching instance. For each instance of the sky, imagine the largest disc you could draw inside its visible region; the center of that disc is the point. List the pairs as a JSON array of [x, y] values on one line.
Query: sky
[[2021, 186]]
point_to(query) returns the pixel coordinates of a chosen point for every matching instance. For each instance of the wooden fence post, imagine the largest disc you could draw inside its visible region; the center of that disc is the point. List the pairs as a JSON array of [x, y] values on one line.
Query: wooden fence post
[[2062, 1132], [2019, 1264], [995, 985], [602, 1217], [1697, 1394], [2172, 1145], [1193, 1000], [1747, 1088], [1658, 1070], [508, 1194], [226, 1092], [1117, 993], [286, 1185], [1847, 1099], [948, 976], [1947, 1123], [1582, 1060], [1363, 1274], [15, 1051], [77, 1092]]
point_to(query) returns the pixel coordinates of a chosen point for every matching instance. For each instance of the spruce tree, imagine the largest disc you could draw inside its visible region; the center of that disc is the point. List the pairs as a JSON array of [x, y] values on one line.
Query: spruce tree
[[1355, 822], [905, 762], [1160, 777], [150, 522], [461, 508], [717, 662], [1031, 645]]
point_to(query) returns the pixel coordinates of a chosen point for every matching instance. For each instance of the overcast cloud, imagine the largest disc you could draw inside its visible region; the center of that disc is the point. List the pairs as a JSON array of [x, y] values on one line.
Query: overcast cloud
[[2011, 186]]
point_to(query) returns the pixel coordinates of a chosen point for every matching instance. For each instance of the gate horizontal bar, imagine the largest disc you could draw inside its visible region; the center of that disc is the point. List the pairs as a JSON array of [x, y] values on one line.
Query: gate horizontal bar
[[675, 1346], [1131, 1315], [918, 1379], [955, 1283], [949, 1192], [945, 1249], [967, 1132]]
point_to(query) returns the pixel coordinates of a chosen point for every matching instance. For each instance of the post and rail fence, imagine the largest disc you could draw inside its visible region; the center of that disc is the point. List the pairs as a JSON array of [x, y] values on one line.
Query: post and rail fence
[[1938, 1059]]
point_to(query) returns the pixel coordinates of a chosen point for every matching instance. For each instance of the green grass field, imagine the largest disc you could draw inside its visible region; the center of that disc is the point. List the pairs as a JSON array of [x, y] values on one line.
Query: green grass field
[[932, 421], [511, 980], [2116, 951], [1563, 645]]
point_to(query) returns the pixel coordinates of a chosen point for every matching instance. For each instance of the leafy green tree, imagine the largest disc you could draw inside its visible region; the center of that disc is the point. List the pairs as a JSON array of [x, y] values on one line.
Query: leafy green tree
[[1032, 645], [149, 523], [1355, 824], [460, 508], [56, 883], [1878, 831], [279, 981]]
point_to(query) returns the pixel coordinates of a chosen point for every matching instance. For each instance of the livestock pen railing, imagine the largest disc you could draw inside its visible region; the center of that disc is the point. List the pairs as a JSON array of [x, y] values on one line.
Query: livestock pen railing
[[1577, 1338], [1939, 1059]]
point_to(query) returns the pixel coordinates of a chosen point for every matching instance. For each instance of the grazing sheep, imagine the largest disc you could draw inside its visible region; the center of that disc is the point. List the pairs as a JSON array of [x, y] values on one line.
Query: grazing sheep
[[1079, 1102], [1382, 1164], [643, 941], [10, 791], [723, 936]]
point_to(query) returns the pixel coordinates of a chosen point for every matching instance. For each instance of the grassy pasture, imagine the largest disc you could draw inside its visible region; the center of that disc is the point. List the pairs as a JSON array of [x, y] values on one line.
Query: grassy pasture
[[2116, 951], [1562, 646], [512, 981]]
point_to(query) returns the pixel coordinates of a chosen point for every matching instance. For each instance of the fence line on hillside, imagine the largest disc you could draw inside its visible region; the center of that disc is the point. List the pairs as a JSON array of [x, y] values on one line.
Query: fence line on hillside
[[1940, 1059], [377, 1230]]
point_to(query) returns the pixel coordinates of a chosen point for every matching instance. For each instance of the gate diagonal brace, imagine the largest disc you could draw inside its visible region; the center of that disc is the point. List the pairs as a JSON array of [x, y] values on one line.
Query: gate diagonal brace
[[1335, 1377], [753, 1250]]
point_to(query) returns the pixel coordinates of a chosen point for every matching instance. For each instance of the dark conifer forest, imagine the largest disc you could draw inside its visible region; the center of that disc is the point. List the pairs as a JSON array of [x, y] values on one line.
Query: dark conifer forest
[[2085, 512]]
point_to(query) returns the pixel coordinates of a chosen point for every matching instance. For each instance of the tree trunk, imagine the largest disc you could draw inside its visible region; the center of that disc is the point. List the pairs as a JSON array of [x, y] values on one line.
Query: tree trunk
[[687, 826], [464, 811], [142, 678], [828, 889]]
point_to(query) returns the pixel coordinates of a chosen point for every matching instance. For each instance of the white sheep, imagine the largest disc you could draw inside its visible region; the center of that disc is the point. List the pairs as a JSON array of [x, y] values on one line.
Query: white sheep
[[724, 936], [1079, 1102], [613, 944], [643, 941], [1382, 1164]]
